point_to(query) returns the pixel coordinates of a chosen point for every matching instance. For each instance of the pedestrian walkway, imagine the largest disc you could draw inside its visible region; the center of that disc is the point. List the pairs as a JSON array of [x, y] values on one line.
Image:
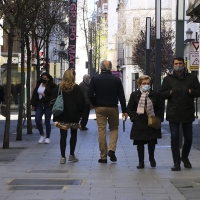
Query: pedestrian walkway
[[32, 171]]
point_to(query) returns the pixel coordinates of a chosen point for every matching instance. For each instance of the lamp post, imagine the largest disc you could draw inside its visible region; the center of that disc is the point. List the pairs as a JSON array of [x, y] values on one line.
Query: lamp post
[[180, 28], [62, 46], [158, 46], [62, 53], [148, 49]]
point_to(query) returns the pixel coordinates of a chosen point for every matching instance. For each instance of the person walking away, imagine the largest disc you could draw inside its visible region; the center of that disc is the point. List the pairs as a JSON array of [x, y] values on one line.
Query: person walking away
[[180, 88], [144, 102], [40, 102], [104, 91], [85, 88], [74, 102]]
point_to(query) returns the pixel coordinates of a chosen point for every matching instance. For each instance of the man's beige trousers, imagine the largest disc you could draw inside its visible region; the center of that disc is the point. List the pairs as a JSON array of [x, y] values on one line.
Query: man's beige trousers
[[104, 115]]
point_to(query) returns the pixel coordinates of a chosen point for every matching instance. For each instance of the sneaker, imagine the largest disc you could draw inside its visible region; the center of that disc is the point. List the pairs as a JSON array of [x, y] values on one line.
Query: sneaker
[[41, 139], [62, 160], [73, 158], [186, 162], [47, 141], [112, 156]]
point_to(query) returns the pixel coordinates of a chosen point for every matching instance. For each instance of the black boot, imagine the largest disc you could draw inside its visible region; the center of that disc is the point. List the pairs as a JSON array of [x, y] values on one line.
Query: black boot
[[151, 149], [140, 149]]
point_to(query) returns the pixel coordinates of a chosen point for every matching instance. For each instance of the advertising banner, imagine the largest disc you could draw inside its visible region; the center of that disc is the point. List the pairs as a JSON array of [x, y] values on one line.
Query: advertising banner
[[72, 34]]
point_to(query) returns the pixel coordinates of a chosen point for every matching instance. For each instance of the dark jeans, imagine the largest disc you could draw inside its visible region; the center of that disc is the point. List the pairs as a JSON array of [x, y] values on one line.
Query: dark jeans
[[187, 134], [85, 115], [63, 138], [38, 119]]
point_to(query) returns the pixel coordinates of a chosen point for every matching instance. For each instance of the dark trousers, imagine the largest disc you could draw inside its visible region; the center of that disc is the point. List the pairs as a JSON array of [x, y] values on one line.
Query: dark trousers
[[63, 138], [85, 115], [187, 134], [38, 118]]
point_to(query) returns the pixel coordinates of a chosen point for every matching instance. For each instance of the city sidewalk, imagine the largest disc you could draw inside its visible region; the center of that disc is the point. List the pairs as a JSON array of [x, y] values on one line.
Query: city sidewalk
[[31, 171]]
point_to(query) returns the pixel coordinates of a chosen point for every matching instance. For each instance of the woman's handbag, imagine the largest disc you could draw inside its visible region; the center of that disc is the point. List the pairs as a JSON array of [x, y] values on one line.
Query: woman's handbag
[[154, 122], [58, 106]]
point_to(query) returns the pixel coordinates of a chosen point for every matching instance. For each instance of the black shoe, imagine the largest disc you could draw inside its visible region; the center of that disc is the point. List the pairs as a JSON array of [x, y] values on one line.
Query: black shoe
[[112, 156], [176, 167], [152, 162], [186, 162], [84, 129], [141, 165], [102, 161]]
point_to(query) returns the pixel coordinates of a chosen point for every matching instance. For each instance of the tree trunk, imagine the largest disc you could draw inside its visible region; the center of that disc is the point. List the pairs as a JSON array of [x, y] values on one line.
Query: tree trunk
[[19, 124], [28, 87], [47, 54], [8, 92]]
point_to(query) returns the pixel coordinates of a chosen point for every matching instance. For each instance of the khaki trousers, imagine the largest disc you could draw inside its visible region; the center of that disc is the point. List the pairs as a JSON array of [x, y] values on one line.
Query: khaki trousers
[[104, 115]]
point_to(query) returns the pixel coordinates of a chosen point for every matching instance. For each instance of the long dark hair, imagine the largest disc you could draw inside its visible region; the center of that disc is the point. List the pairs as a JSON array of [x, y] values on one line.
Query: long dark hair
[[50, 81]]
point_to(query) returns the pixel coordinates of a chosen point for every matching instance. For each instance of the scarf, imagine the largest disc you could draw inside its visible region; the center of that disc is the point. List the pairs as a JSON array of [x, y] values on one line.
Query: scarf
[[141, 105]]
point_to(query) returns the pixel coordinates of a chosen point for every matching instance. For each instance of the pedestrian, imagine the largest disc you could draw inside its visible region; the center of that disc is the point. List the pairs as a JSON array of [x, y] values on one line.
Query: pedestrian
[[74, 102], [104, 91], [180, 88], [40, 102], [144, 102], [85, 88]]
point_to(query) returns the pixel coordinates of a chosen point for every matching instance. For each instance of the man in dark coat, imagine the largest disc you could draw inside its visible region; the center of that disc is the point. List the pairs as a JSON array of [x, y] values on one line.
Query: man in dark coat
[[180, 88], [85, 88], [104, 92]]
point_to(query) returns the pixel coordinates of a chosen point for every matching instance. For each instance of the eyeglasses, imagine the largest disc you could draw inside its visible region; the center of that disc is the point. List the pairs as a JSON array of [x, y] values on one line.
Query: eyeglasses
[[145, 83]]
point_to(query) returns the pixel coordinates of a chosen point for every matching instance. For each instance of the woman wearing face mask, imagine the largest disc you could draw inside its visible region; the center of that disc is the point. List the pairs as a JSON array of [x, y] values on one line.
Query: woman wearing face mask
[[144, 102], [41, 105]]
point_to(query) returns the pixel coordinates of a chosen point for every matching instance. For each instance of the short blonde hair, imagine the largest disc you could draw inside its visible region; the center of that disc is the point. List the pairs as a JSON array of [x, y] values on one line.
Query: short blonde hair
[[106, 65], [141, 78]]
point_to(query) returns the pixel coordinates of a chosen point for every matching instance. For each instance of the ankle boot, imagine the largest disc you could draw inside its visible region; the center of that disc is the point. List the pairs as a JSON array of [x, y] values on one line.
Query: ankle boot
[[140, 149], [151, 149]]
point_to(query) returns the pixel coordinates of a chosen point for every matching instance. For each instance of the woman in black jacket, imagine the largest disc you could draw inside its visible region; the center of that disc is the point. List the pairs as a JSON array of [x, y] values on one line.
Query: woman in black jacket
[[74, 102], [143, 103], [40, 102]]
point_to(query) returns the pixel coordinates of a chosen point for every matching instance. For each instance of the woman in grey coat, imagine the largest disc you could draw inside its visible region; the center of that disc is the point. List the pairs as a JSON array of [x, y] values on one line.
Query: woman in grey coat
[[144, 102]]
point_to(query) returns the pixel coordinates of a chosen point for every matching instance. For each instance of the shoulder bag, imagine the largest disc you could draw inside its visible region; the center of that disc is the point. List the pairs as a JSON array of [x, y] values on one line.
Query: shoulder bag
[[58, 106], [154, 122]]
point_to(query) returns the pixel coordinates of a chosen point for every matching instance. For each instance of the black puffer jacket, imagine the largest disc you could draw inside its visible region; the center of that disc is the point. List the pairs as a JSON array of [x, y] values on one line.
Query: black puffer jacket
[[74, 103], [48, 93], [140, 129], [180, 106]]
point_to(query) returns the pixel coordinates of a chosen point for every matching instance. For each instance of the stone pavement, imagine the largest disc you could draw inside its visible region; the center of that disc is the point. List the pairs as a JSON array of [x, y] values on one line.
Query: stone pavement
[[31, 171]]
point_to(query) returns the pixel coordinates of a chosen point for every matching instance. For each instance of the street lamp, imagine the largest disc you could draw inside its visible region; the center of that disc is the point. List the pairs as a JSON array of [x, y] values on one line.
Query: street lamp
[[62, 55], [189, 35], [62, 47]]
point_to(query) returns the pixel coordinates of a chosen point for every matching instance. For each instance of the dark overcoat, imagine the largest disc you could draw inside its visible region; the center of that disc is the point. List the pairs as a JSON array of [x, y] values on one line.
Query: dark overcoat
[[140, 129], [74, 103], [180, 105]]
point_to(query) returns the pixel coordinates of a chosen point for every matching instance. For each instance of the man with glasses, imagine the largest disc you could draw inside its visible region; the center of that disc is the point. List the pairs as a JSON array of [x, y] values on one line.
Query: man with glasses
[[180, 88]]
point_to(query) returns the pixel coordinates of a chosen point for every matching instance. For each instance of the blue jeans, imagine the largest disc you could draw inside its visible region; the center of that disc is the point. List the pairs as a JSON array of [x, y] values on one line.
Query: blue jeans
[[40, 110], [187, 134]]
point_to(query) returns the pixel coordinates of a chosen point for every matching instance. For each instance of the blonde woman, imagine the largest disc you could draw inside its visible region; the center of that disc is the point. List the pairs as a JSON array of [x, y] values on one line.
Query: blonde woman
[[144, 102], [74, 102]]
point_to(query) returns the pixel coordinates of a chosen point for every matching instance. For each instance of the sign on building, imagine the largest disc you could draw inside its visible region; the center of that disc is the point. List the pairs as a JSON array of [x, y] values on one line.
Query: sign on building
[[194, 60]]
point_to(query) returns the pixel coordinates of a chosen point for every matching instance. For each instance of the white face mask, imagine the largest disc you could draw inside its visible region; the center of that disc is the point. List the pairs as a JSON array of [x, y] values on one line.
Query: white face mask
[[145, 88]]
